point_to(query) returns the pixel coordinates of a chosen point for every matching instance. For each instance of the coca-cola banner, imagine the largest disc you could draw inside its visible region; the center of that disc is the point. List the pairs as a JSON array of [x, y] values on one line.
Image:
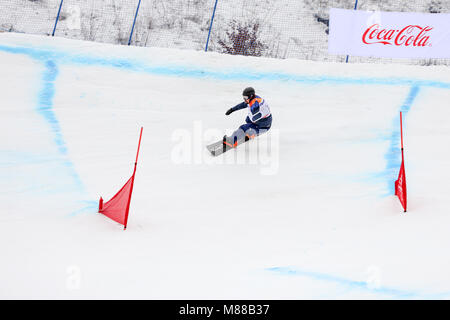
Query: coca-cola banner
[[389, 34]]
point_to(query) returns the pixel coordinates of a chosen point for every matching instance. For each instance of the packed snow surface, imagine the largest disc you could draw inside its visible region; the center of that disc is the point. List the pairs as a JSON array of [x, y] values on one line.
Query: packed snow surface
[[306, 211]]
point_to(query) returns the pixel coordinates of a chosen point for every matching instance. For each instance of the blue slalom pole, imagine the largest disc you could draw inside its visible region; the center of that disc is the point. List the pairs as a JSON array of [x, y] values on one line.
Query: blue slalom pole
[[57, 18], [210, 26], [356, 6], [134, 22]]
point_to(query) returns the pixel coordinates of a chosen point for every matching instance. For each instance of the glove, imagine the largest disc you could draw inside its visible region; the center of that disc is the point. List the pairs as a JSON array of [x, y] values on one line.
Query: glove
[[229, 111]]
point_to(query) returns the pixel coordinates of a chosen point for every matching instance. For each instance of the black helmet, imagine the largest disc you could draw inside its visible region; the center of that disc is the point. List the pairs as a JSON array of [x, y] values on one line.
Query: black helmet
[[249, 92]]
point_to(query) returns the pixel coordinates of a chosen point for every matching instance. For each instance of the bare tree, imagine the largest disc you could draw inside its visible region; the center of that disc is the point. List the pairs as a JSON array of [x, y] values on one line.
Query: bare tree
[[243, 39]]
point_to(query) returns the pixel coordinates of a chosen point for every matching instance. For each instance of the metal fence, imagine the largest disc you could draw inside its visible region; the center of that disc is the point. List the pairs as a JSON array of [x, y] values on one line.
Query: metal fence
[[270, 28]]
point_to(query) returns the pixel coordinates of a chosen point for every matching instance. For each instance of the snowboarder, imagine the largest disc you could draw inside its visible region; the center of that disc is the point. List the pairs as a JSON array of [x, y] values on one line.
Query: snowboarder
[[258, 121]]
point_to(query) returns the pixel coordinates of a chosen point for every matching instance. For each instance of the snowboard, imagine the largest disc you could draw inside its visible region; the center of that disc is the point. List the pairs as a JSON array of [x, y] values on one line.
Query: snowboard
[[224, 145]]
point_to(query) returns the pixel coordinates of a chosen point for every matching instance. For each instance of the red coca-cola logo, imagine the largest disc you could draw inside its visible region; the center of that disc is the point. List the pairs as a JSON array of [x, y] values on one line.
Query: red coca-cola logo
[[411, 35]]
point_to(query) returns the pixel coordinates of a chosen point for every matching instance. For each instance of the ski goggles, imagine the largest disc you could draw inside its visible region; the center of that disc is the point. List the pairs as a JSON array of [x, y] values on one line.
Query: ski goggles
[[246, 98]]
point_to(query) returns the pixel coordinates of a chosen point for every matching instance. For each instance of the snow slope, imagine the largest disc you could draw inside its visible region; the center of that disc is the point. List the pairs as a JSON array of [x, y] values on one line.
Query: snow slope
[[306, 211]]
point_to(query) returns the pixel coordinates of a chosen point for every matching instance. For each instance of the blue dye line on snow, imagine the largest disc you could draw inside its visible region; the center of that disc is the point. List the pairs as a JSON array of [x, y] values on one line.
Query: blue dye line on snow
[[45, 104], [352, 284], [91, 206], [44, 107], [185, 71]]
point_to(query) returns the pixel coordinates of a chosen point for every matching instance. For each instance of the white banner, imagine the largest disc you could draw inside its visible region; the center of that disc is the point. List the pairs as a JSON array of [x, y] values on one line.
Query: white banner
[[389, 34]]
